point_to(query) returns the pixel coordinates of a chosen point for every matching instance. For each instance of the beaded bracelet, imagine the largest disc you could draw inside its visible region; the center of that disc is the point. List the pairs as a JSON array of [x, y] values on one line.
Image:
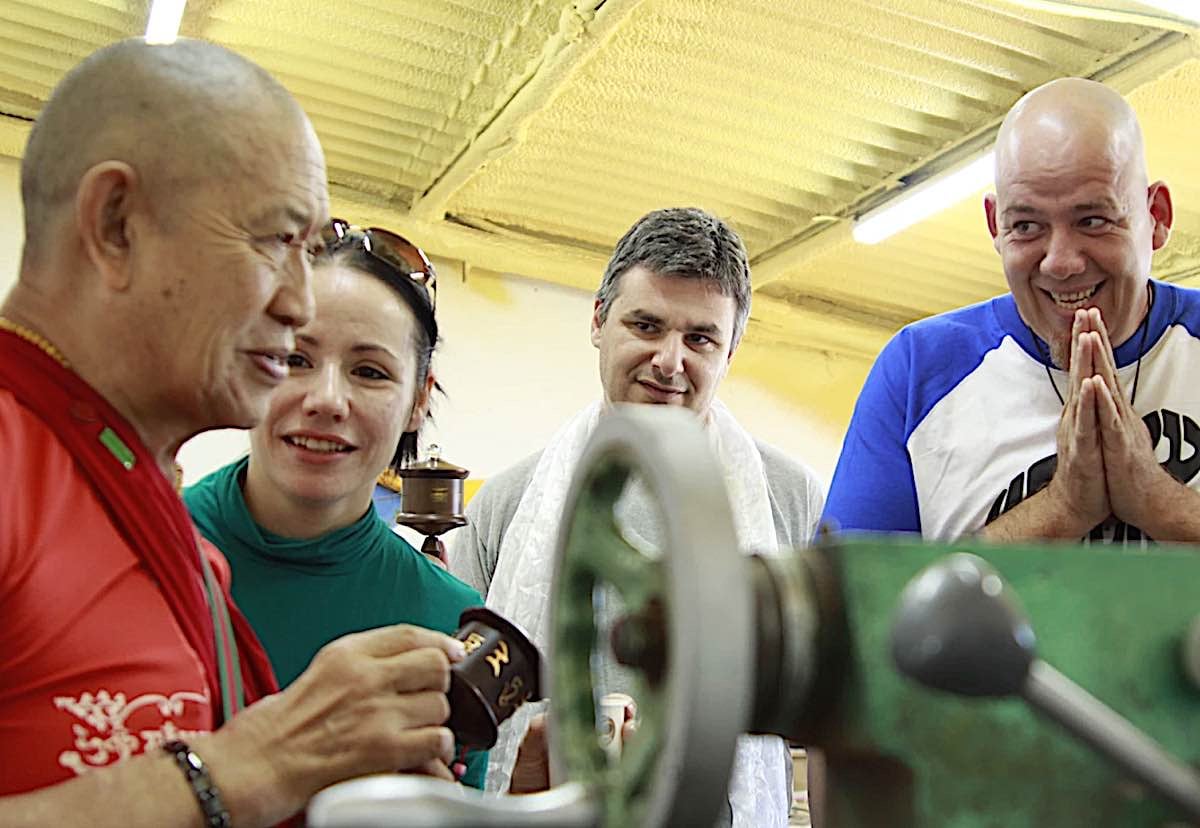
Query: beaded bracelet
[[207, 795]]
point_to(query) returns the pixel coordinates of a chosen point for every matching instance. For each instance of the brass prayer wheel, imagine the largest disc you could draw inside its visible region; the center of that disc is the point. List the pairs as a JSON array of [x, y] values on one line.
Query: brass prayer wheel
[[431, 497]]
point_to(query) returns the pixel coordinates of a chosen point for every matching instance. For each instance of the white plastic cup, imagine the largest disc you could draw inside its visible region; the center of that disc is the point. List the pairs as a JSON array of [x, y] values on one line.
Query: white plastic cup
[[610, 719]]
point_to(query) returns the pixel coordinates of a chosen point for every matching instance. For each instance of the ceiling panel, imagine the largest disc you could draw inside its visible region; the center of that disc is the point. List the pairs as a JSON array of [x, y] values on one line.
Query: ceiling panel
[[949, 260], [400, 89], [527, 135], [809, 105]]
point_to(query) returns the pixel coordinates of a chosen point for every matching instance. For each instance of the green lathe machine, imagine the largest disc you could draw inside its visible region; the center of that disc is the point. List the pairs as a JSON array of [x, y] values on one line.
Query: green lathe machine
[[958, 685]]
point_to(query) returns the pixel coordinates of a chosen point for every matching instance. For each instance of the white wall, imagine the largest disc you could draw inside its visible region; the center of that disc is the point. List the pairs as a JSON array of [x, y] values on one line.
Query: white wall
[[11, 221], [516, 362]]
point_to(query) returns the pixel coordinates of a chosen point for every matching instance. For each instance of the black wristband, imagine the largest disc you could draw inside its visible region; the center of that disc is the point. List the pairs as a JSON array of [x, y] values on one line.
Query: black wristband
[[207, 795]]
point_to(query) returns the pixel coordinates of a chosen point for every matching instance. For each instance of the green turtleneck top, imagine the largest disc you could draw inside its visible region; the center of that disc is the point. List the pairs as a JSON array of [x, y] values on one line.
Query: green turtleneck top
[[301, 594]]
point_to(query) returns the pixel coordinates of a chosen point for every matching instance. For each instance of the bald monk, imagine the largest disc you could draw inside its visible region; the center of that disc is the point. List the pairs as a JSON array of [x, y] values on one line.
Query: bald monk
[[172, 196], [1067, 408]]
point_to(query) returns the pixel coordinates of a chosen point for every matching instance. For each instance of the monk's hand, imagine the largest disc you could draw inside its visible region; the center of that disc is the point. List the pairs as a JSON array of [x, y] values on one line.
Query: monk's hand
[[1080, 485], [370, 702]]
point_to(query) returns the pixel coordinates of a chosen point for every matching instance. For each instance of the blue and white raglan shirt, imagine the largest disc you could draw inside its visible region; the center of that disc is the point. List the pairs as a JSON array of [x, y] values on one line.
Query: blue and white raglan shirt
[[956, 423]]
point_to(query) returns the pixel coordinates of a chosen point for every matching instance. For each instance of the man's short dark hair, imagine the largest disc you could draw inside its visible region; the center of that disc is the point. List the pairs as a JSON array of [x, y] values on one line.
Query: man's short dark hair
[[686, 242]]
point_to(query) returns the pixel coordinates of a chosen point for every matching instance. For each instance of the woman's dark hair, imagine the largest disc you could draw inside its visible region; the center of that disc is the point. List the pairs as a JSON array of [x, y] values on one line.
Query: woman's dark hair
[[352, 254]]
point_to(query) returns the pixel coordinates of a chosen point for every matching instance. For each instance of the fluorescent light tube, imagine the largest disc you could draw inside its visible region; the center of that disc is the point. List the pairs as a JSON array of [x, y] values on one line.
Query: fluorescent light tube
[[163, 25], [925, 199]]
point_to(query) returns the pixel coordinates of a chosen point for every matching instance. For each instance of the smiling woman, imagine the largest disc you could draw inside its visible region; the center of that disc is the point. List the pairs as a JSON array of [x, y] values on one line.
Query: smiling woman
[[311, 559]]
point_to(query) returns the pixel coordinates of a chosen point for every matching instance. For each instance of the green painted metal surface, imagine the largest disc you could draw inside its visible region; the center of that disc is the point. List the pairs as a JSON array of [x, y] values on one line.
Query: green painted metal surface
[[597, 554], [1112, 619], [1109, 618]]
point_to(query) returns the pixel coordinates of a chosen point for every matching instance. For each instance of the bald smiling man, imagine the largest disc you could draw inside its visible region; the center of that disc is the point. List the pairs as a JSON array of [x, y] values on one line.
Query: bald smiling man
[[1067, 408], [172, 198]]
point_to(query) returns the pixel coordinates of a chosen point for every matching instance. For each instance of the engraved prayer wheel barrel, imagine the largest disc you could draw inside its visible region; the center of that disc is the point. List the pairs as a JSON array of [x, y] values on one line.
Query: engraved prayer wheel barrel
[[501, 672], [431, 498]]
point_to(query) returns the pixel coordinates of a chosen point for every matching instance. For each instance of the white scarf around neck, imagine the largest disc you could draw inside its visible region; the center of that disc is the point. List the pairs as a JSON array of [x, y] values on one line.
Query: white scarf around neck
[[520, 590]]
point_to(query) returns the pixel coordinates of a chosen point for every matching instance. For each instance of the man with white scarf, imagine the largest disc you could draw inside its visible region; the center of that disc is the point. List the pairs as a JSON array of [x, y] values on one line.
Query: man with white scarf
[[668, 316]]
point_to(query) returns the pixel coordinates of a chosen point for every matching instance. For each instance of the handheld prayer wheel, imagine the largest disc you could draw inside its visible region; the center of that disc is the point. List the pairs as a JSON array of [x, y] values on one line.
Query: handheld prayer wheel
[[431, 499], [501, 672]]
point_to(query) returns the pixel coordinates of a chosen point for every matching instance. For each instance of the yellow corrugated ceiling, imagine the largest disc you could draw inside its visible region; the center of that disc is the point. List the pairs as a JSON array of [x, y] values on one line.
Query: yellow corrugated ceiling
[[526, 135]]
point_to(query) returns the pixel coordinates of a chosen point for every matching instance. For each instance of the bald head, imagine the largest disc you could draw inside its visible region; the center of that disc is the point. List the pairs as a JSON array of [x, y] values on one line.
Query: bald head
[[1073, 218], [177, 114], [172, 195], [1066, 117]]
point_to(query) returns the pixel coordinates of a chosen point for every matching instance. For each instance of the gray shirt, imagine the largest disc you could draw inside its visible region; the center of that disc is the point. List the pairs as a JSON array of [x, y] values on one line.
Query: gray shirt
[[794, 491]]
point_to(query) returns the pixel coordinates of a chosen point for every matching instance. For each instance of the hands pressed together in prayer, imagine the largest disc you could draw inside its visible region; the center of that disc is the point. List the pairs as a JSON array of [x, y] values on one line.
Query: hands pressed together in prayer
[[1106, 463]]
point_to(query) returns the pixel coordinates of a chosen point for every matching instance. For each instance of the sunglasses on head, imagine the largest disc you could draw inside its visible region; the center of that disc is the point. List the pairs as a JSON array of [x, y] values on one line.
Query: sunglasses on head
[[390, 248]]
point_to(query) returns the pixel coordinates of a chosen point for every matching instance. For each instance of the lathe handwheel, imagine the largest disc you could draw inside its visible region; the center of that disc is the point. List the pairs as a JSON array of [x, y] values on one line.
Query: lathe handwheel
[[694, 706]]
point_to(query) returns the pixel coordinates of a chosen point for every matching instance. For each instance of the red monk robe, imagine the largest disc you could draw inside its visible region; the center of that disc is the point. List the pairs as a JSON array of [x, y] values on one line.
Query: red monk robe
[[108, 645]]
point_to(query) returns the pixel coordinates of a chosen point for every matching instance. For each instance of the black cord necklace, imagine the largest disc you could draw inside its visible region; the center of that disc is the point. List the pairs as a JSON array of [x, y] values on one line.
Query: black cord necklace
[[1137, 372]]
